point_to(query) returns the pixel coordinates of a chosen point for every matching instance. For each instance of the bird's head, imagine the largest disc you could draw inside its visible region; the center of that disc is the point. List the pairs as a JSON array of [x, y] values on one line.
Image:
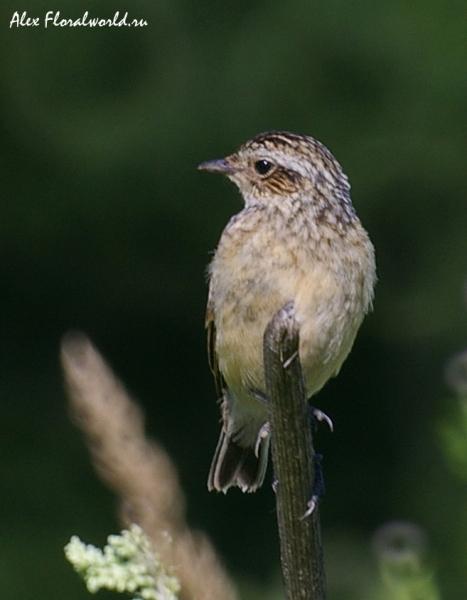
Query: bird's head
[[277, 164]]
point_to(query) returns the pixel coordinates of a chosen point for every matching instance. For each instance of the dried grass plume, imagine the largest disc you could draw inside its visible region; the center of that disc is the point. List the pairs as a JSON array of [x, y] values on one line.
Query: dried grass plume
[[139, 471]]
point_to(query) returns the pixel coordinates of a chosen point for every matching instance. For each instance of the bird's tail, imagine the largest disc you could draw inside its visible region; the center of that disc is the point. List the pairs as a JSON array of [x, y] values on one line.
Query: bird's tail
[[235, 465]]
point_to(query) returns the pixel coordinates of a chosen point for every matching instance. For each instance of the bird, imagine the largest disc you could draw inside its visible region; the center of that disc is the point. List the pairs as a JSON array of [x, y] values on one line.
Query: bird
[[297, 238]]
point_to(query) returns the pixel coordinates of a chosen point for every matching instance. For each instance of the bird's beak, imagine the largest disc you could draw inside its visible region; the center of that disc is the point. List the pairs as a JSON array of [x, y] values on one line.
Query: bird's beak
[[219, 165]]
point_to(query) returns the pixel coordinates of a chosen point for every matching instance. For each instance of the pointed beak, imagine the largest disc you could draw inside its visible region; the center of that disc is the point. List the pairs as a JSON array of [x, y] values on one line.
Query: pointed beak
[[219, 165]]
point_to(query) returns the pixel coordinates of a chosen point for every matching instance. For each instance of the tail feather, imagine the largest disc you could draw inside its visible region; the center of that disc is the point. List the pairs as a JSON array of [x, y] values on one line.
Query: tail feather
[[234, 465]]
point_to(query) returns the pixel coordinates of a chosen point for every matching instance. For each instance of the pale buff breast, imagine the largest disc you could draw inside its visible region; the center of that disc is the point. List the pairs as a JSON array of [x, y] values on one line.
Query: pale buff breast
[[326, 331], [330, 298]]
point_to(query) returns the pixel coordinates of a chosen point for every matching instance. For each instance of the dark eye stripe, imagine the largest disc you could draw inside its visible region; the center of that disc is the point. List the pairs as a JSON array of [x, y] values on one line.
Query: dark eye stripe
[[281, 181]]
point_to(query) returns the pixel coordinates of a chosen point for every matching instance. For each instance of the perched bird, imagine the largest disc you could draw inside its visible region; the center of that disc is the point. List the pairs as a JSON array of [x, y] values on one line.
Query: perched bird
[[297, 238]]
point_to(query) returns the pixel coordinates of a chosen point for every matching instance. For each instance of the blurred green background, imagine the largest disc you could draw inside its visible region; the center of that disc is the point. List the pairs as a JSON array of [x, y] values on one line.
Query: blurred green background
[[106, 226]]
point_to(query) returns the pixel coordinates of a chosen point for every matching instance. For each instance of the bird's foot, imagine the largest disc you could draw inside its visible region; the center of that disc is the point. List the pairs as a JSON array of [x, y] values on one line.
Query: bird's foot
[[263, 433], [318, 487], [318, 415]]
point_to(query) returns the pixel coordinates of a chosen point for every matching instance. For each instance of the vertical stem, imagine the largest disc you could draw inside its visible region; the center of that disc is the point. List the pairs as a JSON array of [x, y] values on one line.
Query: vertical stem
[[292, 455]]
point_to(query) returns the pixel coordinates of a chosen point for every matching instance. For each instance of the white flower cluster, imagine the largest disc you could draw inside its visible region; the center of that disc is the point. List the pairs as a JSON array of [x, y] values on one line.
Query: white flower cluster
[[127, 564]]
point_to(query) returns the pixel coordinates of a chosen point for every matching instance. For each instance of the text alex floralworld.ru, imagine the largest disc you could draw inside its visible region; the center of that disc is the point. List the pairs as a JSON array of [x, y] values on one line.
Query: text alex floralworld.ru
[[53, 19]]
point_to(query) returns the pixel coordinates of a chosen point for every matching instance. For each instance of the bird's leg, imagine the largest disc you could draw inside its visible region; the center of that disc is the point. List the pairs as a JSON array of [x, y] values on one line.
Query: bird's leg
[[318, 487], [317, 490], [316, 416], [265, 430]]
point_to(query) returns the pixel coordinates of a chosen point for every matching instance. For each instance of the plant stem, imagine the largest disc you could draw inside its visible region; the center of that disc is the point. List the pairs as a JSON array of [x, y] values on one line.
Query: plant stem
[[293, 460]]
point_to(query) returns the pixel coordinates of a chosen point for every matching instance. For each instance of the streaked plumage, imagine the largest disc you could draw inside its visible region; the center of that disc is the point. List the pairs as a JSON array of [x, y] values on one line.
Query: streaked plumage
[[297, 238]]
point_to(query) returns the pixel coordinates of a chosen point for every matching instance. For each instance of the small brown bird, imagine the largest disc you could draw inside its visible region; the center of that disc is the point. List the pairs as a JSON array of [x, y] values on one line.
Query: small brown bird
[[297, 238]]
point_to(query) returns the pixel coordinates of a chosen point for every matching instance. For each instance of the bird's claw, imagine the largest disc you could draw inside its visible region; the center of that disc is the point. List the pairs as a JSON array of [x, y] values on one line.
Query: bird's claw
[[319, 415], [311, 505], [263, 433]]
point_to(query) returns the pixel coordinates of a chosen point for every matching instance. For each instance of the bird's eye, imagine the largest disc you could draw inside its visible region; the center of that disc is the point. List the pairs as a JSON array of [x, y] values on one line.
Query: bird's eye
[[263, 166]]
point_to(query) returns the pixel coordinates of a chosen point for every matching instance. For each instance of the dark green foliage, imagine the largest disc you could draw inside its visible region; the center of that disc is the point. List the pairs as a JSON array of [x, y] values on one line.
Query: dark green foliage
[[106, 225]]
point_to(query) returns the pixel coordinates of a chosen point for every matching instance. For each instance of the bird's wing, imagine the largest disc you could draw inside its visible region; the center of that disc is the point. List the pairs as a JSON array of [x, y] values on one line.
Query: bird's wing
[[212, 355]]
